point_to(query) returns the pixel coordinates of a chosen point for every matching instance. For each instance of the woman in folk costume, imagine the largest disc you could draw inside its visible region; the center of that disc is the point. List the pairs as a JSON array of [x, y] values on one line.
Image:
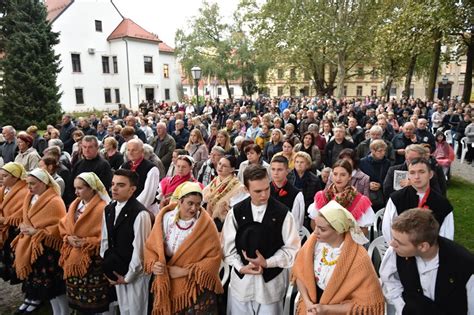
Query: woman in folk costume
[[347, 195], [12, 194], [332, 270], [222, 191], [86, 285], [184, 173], [37, 246], [183, 252]]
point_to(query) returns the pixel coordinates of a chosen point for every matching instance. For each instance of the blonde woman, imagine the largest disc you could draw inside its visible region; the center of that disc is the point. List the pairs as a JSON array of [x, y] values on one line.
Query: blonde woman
[[197, 149], [223, 140]]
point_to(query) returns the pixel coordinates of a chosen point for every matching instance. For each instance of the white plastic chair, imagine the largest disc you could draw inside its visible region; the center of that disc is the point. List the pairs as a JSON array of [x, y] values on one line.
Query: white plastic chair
[[225, 276], [381, 247], [286, 306], [374, 228], [463, 149], [449, 136]]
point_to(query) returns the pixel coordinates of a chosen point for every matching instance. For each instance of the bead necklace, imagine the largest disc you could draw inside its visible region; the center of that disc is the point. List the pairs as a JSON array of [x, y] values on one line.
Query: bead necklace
[[325, 261]]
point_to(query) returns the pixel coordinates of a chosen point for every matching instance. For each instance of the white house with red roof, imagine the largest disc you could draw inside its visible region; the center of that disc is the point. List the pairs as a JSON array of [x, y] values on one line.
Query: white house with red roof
[[108, 59]]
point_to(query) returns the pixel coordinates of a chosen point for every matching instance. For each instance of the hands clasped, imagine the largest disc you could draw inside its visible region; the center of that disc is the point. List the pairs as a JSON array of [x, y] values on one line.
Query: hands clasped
[[255, 265]]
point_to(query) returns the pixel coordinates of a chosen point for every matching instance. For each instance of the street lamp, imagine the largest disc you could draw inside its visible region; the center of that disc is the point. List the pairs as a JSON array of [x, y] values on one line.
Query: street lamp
[[196, 73]]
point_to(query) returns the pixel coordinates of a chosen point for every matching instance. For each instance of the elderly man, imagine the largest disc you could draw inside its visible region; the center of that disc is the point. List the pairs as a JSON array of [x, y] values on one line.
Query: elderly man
[[208, 170], [287, 118], [424, 134], [375, 133], [290, 133], [8, 149], [355, 131], [148, 175], [402, 140], [388, 132], [93, 162], [335, 146], [310, 119], [180, 134], [163, 144], [66, 133], [319, 141]]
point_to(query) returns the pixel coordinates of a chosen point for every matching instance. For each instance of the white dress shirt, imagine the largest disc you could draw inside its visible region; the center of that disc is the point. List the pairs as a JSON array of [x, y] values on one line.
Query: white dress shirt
[[446, 229], [254, 287], [428, 270]]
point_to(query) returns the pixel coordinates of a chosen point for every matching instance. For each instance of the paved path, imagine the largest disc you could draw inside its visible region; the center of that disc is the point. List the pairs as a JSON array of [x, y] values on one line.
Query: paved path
[[465, 171]]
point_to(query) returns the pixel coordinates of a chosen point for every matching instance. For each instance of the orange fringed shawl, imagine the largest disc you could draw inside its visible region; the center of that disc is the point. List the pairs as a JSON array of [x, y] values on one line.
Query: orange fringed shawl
[[44, 216], [76, 261], [11, 207], [200, 253], [353, 281]]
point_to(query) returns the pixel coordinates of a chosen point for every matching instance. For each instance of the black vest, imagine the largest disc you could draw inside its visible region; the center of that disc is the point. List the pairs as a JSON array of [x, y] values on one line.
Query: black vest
[[273, 219], [142, 171], [456, 266], [120, 236], [407, 198], [287, 199]]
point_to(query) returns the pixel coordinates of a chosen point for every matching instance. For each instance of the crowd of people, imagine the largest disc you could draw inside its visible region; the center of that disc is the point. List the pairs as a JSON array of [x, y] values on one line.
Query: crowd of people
[[141, 209]]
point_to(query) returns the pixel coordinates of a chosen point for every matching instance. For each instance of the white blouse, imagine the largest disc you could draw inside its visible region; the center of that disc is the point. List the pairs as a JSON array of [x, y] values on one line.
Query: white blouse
[[322, 271], [173, 234]]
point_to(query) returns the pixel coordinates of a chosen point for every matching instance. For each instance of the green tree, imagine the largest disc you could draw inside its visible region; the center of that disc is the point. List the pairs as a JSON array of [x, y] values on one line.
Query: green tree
[[30, 66]]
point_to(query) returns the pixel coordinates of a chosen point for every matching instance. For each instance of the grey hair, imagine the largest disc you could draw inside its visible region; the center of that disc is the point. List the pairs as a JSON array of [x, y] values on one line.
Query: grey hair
[[56, 142]]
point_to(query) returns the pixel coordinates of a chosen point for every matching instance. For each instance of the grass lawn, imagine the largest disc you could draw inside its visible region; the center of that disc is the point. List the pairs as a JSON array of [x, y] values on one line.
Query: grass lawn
[[461, 195]]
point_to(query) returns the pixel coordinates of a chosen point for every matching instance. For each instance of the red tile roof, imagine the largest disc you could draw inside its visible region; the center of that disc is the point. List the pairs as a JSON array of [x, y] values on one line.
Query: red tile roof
[[56, 7], [128, 28], [165, 48]]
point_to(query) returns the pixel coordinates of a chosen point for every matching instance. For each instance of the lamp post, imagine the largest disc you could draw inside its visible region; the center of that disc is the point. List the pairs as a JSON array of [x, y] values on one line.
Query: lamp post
[[196, 73]]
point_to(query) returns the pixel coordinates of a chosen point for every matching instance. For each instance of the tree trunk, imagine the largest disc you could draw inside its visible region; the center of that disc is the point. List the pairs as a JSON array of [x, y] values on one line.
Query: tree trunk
[[227, 87], [318, 74], [386, 88], [466, 93], [409, 76], [330, 87], [434, 66], [341, 62]]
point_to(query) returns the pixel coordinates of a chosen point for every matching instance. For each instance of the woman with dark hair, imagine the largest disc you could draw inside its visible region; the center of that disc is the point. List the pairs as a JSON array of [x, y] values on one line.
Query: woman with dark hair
[[360, 180], [223, 190], [309, 146], [50, 164], [183, 252], [345, 194], [327, 133], [288, 152], [254, 156], [443, 152]]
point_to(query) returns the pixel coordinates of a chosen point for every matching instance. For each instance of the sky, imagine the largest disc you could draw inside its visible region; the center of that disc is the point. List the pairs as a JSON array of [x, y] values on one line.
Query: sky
[[164, 17]]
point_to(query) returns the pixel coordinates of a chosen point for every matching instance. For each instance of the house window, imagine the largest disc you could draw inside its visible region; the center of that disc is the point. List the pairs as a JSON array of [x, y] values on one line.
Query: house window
[[167, 94], [292, 91], [115, 64], [219, 91], [360, 72], [393, 91], [359, 90], [107, 96], [76, 62], [105, 64], [117, 95], [344, 91], [280, 74], [148, 63], [373, 73], [373, 91], [231, 91], [79, 96], [280, 91], [166, 71], [98, 26], [150, 94], [293, 74]]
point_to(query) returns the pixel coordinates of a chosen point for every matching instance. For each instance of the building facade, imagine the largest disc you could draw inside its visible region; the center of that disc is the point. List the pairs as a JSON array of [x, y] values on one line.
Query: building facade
[[107, 59]]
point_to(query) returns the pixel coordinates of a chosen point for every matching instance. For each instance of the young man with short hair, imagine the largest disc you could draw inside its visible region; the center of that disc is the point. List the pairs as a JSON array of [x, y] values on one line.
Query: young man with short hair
[[260, 240], [282, 190], [424, 273], [125, 227], [419, 194]]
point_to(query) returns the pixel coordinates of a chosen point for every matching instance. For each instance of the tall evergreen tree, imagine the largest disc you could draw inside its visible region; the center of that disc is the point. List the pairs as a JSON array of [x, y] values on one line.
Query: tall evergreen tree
[[30, 94]]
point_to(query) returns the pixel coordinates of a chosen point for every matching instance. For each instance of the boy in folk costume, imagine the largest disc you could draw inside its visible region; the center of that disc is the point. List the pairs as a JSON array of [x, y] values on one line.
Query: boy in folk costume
[[125, 228], [425, 273], [419, 194], [260, 240]]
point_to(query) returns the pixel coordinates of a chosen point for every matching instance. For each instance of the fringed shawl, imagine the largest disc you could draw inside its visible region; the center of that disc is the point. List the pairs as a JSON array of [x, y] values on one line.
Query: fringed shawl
[[358, 206], [44, 216], [353, 281], [200, 253], [76, 261], [11, 208], [218, 195]]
